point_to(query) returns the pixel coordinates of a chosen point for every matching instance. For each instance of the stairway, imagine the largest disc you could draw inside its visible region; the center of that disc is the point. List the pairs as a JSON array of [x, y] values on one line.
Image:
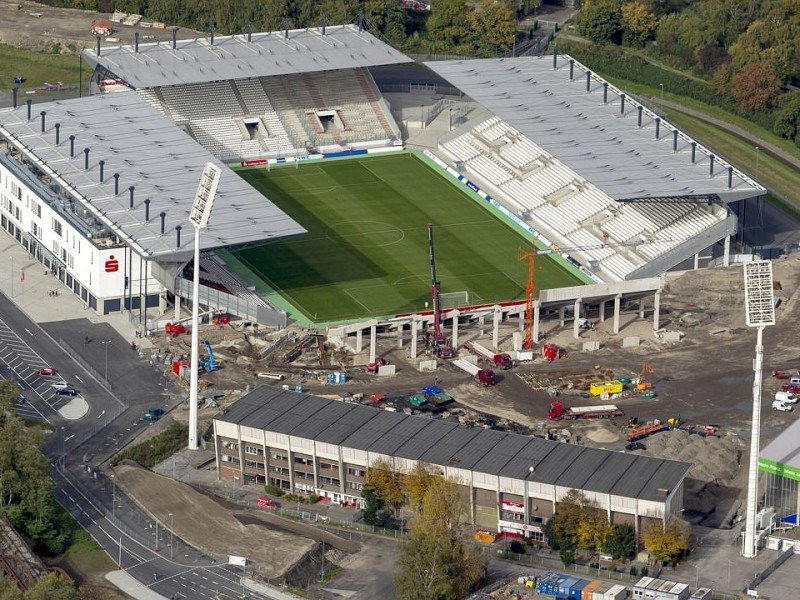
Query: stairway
[[369, 92]]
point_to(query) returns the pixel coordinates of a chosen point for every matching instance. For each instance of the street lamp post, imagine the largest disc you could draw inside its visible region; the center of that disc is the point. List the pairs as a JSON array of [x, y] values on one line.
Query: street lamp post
[[171, 534], [661, 85], [758, 154], [113, 496], [106, 346]]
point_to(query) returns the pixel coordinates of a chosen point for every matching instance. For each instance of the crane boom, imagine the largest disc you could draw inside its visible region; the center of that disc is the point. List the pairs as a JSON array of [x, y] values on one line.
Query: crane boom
[[435, 288]]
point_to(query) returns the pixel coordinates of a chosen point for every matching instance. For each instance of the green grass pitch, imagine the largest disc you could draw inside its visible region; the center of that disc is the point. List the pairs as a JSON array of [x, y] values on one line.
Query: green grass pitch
[[366, 250]]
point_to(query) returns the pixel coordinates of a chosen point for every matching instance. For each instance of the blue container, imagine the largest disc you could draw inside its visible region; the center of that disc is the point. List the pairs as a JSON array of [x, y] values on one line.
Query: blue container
[[546, 583], [564, 586], [575, 590], [331, 377], [341, 377]]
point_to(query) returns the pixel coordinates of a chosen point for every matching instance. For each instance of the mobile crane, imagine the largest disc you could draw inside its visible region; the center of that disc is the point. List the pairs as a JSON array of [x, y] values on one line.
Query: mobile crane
[[435, 339]]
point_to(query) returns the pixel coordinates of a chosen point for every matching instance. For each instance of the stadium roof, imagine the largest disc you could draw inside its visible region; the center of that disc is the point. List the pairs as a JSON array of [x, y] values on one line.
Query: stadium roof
[[150, 153], [784, 450], [448, 444], [591, 137], [234, 57]]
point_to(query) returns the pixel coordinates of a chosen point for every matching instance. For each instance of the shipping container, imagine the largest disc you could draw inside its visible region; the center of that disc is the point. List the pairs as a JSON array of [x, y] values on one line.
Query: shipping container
[[618, 592], [701, 594], [565, 586], [600, 593], [549, 582], [586, 593], [575, 590]]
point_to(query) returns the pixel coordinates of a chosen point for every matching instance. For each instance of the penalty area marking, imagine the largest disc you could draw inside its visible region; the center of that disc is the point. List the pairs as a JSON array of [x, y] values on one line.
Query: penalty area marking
[[387, 228]]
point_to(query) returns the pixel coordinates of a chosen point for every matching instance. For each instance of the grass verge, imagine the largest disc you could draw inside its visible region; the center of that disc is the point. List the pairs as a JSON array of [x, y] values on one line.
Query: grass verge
[[158, 448]]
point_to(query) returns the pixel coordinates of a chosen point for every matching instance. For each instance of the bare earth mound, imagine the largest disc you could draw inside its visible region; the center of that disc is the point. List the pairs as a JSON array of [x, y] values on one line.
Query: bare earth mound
[[207, 525]]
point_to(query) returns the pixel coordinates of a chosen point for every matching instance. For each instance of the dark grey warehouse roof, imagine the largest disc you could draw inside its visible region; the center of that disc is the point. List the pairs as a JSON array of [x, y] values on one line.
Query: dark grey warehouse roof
[[448, 444], [154, 156], [596, 140], [234, 57]]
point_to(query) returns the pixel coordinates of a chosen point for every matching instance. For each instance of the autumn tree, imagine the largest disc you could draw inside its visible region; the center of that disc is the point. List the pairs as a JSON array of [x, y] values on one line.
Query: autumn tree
[[417, 482], [387, 483], [601, 20], [756, 86], [495, 27], [666, 542], [448, 26], [435, 563], [638, 23], [53, 586]]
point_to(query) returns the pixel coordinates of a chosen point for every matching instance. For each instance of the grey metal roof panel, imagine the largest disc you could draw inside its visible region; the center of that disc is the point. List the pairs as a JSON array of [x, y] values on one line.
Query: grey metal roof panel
[[636, 478], [315, 425], [234, 57], [404, 430], [447, 450], [380, 425], [593, 139], [581, 469], [158, 159], [549, 459], [503, 452], [481, 445], [665, 473], [346, 426], [614, 468], [424, 439]]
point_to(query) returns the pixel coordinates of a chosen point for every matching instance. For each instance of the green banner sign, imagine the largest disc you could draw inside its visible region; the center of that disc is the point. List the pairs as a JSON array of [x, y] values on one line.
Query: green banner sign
[[776, 468]]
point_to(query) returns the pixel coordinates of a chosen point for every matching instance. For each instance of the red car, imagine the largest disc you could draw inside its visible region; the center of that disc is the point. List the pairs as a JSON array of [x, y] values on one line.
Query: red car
[[267, 503], [792, 388], [47, 371]]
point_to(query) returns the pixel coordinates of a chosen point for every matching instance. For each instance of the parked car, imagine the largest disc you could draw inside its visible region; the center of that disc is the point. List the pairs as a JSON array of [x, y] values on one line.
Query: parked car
[[787, 397], [21, 399], [47, 371], [793, 388], [268, 503], [635, 446], [781, 406], [60, 384], [153, 414], [67, 391]]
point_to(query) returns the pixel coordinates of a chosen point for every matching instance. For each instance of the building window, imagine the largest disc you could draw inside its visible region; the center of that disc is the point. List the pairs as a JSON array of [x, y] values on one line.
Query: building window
[[253, 450], [36, 231], [279, 470], [299, 460], [276, 456], [356, 472], [355, 485], [328, 481], [230, 445], [253, 464], [57, 227]]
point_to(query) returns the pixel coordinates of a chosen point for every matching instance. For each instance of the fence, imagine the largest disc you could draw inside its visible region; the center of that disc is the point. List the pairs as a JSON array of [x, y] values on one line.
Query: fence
[[762, 575]]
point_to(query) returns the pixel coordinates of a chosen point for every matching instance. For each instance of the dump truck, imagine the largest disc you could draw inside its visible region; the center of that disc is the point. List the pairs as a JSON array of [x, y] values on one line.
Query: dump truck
[[498, 359], [642, 431], [605, 411], [485, 377]]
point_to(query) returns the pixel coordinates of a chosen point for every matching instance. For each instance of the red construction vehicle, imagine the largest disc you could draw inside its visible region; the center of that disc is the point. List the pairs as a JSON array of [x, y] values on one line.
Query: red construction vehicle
[[606, 411], [374, 366], [435, 339], [221, 320], [551, 352], [174, 329], [485, 377], [498, 359]]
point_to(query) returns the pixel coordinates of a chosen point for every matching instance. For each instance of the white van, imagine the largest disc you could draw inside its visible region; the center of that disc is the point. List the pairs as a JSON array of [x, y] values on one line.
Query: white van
[[787, 397], [781, 406], [794, 379]]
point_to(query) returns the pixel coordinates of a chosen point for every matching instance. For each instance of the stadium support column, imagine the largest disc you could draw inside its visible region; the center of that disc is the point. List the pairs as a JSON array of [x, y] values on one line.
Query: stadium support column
[[496, 326], [359, 340], [641, 308], [400, 329], [414, 334], [177, 306], [696, 261], [481, 325], [602, 311], [726, 251], [536, 310], [617, 300], [576, 321], [561, 312], [656, 310], [373, 341], [454, 341]]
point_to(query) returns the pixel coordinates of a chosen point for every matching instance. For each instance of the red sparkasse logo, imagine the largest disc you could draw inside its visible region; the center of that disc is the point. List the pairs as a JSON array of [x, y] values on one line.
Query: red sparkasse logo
[[112, 264]]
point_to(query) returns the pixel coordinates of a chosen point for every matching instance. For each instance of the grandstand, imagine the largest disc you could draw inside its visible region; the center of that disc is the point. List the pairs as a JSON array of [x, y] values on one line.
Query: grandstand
[[599, 175]]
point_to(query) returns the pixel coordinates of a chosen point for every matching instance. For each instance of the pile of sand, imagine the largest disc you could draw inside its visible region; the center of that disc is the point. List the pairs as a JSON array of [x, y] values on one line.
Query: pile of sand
[[716, 460]]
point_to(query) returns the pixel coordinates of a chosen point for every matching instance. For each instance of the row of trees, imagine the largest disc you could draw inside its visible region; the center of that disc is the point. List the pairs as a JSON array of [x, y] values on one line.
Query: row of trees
[[581, 524], [452, 26], [747, 50]]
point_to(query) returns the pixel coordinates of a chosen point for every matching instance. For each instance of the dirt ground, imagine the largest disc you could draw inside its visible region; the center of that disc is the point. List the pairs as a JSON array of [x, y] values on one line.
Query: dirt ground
[[38, 27]]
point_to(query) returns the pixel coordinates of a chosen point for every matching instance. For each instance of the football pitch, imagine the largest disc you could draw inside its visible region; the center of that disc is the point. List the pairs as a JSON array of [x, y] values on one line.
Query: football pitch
[[366, 251]]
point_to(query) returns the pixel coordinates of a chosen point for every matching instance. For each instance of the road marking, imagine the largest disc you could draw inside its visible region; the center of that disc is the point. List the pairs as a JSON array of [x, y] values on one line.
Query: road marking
[[29, 332], [78, 378], [101, 414]]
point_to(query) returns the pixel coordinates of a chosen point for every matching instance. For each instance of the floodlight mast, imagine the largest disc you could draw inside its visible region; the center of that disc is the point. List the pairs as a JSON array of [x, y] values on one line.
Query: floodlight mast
[[759, 313], [201, 211]]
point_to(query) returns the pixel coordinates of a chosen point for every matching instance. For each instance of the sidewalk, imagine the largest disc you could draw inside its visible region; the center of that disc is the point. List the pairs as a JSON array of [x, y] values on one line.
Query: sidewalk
[[122, 580], [24, 282]]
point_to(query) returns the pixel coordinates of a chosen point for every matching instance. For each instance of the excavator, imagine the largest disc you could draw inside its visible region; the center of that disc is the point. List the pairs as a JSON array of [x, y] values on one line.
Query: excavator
[[643, 383]]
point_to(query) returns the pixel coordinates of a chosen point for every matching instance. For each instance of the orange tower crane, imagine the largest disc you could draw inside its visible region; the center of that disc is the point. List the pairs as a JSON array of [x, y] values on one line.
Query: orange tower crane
[[530, 290]]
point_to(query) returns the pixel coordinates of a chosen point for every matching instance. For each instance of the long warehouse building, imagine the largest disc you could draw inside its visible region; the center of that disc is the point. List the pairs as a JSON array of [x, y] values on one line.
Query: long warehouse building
[[306, 444]]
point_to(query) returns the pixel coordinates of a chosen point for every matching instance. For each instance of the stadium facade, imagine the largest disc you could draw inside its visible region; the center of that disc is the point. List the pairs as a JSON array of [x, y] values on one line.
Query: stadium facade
[[306, 444], [98, 189]]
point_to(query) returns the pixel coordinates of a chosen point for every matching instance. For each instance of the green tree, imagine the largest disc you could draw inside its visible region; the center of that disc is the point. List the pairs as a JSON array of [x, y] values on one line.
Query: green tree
[[9, 590], [448, 26], [621, 542], [666, 542], [601, 20], [593, 529], [495, 27], [756, 87], [435, 563], [787, 122], [53, 586]]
